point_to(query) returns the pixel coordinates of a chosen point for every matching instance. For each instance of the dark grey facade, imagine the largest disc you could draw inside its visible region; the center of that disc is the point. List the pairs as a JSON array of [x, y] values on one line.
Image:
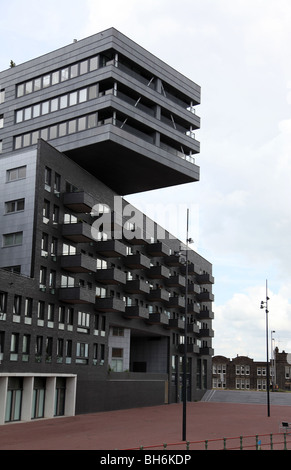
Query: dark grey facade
[[92, 292]]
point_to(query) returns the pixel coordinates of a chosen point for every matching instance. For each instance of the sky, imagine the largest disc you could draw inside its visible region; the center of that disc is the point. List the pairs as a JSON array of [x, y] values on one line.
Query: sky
[[238, 51]]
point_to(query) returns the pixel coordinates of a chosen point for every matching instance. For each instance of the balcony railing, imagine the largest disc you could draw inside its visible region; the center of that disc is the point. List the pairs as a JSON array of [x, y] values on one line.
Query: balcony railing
[[111, 248], [110, 276], [176, 281], [158, 272], [79, 201], [137, 286], [79, 263], [136, 311], [204, 278], [176, 302], [137, 261], [158, 319], [76, 295], [205, 297], [109, 304], [78, 233], [158, 249], [158, 295]]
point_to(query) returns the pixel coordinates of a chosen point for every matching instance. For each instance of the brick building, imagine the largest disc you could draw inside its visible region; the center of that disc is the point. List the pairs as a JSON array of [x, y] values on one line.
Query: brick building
[[243, 373]]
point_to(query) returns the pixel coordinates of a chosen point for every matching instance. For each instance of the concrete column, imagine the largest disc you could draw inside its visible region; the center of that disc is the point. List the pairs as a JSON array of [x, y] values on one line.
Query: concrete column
[[50, 397], [27, 395], [70, 403], [3, 395]]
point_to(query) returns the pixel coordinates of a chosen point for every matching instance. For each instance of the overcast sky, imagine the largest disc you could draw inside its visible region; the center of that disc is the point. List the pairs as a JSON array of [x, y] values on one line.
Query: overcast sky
[[238, 51]]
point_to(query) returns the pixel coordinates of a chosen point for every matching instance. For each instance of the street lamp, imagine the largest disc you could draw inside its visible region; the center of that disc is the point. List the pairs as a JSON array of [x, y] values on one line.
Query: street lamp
[[188, 240], [273, 361], [265, 304]]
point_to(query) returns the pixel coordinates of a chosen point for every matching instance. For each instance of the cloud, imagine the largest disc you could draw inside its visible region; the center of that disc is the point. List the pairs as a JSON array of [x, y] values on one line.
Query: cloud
[[240, 324]]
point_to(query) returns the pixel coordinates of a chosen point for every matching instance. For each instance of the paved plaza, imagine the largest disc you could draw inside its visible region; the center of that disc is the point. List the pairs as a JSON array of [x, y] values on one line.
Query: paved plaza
[[220, 417]]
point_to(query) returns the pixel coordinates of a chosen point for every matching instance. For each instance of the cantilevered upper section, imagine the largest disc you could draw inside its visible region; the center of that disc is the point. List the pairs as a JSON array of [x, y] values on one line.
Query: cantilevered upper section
[[107, 103]]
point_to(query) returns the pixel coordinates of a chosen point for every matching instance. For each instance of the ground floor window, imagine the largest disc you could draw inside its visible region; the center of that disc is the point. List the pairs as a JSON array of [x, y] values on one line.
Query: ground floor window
[[117, 359], [14, 400], [60, 396], [38, 398]]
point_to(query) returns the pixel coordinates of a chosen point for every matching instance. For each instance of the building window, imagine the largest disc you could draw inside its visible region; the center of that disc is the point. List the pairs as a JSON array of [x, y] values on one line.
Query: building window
[[3, 305], [68, 249], [83, 322], [67, 281], [14, 206], [38, 348], [50, 312], [14, 347], [82, 353], [47, 179], [25, 347], [55, 131], [16, 174], [12, 239], [2, 95], [42, 277], [40, 310], [117, 331], [28, 307], [17, 305], [69, 348], [1, 121], [117, 359]]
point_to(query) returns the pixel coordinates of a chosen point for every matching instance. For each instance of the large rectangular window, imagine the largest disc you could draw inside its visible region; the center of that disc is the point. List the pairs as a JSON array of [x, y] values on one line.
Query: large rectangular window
[[14, 206], [12, 239], [16, 174]]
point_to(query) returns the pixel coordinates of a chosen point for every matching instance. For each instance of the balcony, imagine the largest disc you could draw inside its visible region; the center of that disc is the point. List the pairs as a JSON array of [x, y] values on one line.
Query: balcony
[[206, 333], [176, 302], [158, 272], [191, 269], [193, 328], [205, 297], [76, 295], [193, 307], [137, 261], [79, 263], [192, 288], [78, 233], [191, 348], [207, 351], [111, 248], [158, 249], [176, 281], [158, 295], [109, 304], [158, 319], [136, 311], [110, 276], [175, 260], [79, 202], [176, 324], [137, 286], [206, 314], [205, 278]]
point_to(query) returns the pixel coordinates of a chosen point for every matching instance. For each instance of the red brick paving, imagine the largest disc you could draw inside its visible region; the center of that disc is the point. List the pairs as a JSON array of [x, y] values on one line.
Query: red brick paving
[[127, 429]]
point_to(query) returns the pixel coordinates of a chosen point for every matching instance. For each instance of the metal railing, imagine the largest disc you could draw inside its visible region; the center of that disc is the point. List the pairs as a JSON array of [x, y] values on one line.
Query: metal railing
[[273, 441]]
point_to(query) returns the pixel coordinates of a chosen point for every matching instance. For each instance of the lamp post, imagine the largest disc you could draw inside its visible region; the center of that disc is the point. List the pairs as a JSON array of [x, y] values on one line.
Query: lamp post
[[265, 304], [273, 361], [188, 240]]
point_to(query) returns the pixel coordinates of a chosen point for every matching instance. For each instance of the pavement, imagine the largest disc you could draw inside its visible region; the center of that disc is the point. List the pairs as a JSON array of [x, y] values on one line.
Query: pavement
[[221, 415]]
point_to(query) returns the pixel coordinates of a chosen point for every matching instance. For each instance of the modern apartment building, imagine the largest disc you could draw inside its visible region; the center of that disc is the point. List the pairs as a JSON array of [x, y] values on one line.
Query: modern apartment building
[[92, 291]]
